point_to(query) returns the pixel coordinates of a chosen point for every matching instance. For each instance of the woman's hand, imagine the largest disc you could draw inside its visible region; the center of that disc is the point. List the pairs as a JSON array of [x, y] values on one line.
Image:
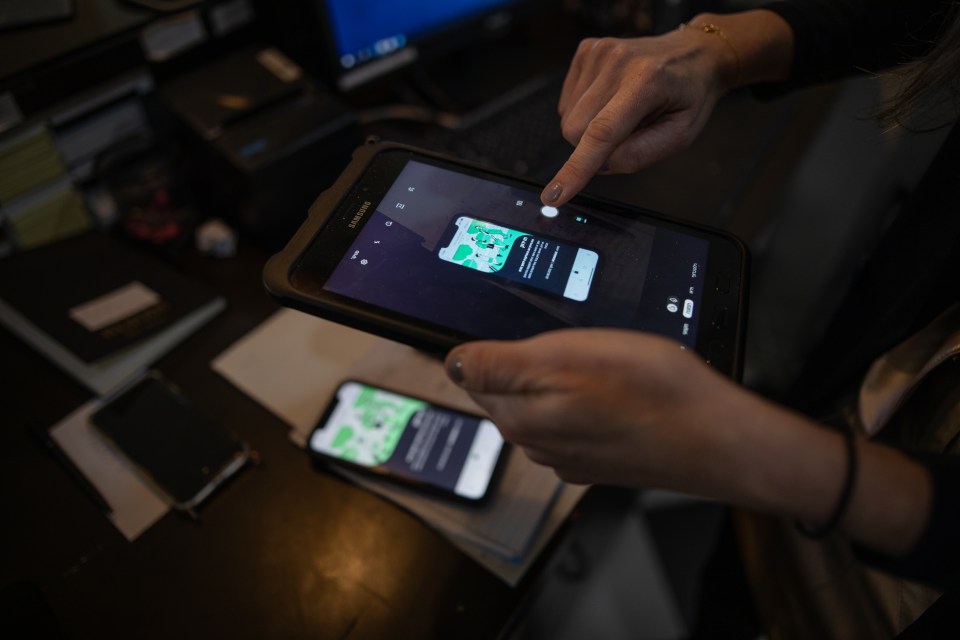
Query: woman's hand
[[633, 409], [627, 103], [600, 406]]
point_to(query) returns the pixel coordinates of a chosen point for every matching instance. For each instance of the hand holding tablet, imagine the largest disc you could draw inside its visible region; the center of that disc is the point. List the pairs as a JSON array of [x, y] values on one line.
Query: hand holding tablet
[[433, 252]]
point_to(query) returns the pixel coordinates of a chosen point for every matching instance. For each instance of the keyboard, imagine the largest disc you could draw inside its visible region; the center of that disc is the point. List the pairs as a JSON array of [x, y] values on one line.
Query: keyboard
[[518, 132]]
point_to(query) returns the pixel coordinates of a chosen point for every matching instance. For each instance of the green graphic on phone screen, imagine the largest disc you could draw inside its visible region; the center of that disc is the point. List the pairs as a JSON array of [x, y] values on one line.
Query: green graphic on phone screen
[[368, 429]]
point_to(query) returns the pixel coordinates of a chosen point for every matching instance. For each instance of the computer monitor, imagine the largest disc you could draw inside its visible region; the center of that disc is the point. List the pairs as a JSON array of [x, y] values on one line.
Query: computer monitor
[[367, 39]]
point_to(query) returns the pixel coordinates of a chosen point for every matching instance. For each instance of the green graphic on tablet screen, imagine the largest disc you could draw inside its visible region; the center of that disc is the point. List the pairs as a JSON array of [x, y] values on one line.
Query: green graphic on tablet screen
[[480, 245]]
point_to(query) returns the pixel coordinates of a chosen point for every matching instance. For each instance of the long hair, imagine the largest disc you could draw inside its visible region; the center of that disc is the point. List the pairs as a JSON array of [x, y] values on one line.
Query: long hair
[[930, 84]]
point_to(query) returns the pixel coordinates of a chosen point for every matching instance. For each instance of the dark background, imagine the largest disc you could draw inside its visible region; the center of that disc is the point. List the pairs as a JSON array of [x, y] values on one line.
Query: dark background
[[807, 181]]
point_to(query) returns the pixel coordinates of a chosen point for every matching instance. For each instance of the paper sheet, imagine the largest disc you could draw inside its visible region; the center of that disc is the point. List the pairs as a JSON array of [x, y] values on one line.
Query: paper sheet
[[135, 504], [293, 363]]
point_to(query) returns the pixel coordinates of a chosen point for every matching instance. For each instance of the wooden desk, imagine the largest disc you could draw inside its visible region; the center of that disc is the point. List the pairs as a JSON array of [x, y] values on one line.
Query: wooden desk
[[283, 551]]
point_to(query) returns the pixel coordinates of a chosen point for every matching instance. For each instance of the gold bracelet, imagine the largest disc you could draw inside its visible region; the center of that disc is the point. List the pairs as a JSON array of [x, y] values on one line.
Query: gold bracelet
[[709, 27]]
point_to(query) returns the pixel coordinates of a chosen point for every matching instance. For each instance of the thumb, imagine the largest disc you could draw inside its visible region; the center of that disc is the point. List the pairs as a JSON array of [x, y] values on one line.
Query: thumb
[[491, 367]]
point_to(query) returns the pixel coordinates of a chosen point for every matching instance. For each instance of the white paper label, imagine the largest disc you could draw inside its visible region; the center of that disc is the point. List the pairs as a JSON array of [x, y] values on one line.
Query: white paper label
[[115, 306]]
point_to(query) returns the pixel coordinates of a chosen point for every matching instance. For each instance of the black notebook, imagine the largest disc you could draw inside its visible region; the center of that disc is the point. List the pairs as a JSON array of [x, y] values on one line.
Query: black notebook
[[232, 88], [100, 309]]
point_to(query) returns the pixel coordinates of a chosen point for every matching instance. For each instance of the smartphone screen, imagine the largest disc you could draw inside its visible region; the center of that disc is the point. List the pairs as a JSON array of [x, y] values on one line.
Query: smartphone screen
[[548, 265], [158, 428], [410, 439]]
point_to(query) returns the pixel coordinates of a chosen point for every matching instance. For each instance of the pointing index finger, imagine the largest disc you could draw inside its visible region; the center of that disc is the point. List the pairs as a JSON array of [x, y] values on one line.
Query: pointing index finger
[[603, 135]]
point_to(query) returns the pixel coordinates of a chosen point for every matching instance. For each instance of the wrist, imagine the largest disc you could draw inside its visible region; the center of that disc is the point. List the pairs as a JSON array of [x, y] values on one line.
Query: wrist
[[892, 502], [729, 64], [753, 46], [802, 470]]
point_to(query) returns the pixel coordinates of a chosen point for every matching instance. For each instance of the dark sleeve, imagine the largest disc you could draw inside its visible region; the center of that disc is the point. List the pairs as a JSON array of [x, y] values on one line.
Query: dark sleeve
[[935, 559], [838, 38]]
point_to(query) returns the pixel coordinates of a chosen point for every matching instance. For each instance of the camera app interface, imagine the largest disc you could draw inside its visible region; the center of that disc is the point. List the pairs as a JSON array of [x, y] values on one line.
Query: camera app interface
[[411, 438], [483, 257]]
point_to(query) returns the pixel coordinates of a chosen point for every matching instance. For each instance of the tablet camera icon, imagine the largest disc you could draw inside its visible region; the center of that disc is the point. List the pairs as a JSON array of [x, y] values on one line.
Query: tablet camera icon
[[673, 304]]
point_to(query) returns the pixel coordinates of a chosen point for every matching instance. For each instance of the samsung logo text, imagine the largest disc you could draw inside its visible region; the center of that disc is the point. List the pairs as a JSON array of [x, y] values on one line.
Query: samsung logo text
[[359, 215]]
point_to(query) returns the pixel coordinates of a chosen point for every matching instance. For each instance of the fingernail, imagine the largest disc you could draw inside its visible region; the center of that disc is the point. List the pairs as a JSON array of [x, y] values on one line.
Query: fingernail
[[553, 192], [454, 368]]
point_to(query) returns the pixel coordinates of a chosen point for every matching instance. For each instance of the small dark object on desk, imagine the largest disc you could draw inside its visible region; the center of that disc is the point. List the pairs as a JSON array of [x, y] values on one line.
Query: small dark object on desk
[[153, 202], [179, 448]]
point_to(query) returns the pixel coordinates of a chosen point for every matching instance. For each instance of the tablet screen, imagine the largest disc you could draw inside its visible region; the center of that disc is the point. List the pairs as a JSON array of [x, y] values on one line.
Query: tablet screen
[[482, 256]]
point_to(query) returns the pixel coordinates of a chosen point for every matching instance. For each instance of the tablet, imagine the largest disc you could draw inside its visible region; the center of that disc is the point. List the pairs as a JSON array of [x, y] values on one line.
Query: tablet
[[432, 252]]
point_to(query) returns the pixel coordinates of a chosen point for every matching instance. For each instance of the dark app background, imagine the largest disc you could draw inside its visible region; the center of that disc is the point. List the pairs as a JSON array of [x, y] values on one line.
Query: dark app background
[[429, 434], [393, 263]]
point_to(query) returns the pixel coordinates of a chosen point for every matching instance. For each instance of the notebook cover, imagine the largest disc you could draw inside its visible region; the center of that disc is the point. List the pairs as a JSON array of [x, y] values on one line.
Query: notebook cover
[[44, 284]]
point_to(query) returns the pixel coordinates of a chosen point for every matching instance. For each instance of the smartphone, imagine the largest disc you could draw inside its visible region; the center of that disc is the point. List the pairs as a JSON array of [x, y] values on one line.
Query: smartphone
[[432, 251], [181, 451], [437, 449], [520, 257]]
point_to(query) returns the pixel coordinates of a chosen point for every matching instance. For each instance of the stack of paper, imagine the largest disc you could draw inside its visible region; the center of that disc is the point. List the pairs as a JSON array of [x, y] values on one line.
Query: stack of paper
[[134, 504], [39, 202], [293, 363]]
